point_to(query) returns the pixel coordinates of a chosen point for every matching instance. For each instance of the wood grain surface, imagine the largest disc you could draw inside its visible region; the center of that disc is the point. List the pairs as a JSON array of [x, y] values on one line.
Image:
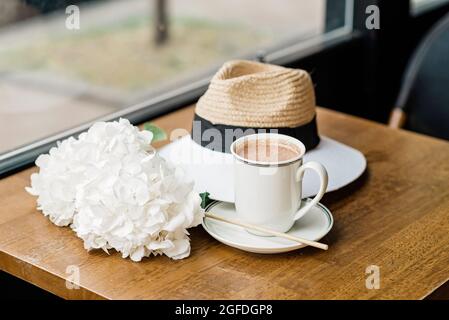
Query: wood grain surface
[[396, 216]]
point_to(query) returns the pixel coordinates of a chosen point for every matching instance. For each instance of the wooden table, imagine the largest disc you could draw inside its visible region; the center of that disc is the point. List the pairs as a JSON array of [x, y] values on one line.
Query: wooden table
[[395, 217]]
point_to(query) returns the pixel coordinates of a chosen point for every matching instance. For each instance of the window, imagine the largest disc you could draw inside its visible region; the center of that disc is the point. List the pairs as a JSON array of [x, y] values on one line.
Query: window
[[129, 57], [420, 6]]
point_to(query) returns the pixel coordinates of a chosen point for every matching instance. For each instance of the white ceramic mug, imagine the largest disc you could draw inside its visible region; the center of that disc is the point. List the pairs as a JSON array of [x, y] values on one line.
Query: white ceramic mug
[[269, 194]]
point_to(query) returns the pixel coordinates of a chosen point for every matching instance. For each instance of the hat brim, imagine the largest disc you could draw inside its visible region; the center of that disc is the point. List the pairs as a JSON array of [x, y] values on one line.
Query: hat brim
[[213, 171]]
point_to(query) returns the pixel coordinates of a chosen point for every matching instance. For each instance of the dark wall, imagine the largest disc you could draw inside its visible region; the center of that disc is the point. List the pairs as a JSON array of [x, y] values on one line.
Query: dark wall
[[336, 73], [363, 76]]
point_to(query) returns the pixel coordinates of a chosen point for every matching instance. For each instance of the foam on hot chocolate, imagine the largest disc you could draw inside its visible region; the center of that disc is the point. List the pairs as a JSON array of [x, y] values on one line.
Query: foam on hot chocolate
[[267, 150]]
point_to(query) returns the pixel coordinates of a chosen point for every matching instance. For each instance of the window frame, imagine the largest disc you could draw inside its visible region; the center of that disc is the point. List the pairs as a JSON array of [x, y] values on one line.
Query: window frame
[[429, 5]]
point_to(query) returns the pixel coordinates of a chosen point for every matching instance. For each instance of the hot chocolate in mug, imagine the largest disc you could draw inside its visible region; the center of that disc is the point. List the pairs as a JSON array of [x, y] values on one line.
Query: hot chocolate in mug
[[268, 174]]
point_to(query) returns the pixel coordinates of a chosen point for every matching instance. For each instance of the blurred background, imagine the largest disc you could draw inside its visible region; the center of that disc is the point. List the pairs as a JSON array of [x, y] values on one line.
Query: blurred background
[[124, 52]]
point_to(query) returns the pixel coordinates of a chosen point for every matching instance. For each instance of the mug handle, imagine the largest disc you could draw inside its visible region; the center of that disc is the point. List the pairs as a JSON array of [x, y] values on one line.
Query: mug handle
[[322, 173]]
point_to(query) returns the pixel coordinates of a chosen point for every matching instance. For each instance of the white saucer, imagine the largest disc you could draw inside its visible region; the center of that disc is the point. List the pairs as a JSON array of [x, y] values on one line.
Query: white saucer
[[313, 226], [214, 171]]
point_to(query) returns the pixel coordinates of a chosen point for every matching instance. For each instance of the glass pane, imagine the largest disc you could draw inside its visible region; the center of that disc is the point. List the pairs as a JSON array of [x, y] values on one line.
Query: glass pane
[[54, 76], [420, 6]]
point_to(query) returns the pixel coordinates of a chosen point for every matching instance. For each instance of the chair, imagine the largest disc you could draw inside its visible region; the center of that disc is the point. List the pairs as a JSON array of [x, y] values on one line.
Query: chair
[[423, 102]]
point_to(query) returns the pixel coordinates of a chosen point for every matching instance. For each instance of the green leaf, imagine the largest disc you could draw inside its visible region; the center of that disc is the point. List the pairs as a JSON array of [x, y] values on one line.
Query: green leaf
[[205, 200], [158, 133]]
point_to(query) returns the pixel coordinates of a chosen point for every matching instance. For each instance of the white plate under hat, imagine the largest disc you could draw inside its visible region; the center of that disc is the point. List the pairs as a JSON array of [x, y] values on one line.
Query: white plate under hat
[[313, 226], [213, 171], [248, 94]]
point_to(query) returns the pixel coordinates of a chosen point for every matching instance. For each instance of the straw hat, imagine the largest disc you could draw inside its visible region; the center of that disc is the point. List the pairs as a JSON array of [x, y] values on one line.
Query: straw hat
[[258, 95], [248, 95]]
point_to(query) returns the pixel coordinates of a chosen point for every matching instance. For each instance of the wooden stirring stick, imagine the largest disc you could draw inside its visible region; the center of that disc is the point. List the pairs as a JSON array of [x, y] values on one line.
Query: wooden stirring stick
[[271, 232]]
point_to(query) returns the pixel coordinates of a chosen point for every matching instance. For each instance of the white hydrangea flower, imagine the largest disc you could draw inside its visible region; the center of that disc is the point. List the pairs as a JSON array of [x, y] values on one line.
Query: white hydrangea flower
[[117, 193]]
